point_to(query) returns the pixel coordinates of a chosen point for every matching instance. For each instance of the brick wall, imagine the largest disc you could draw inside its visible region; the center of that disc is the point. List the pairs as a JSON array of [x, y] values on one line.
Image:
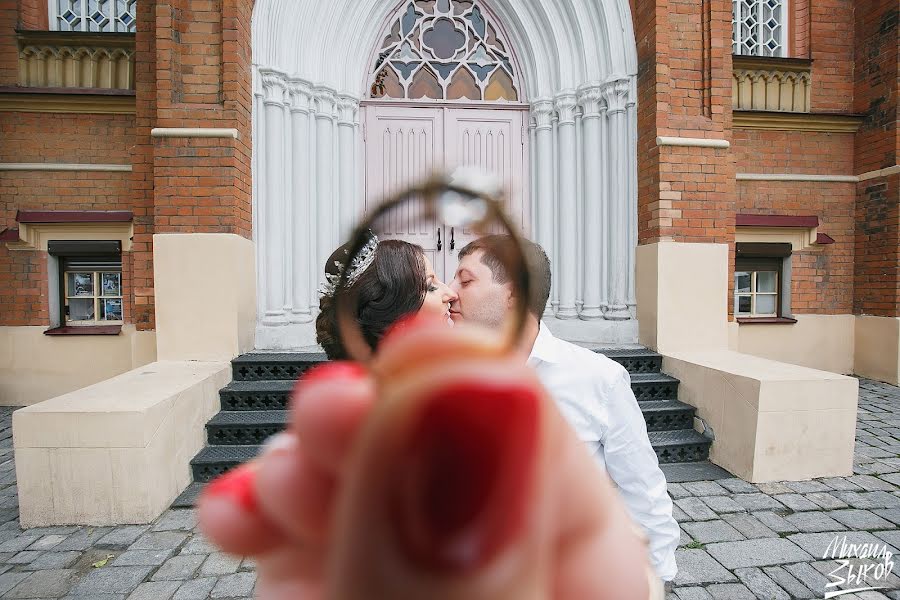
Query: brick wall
[[877, 269], [831, 49], [33, 14]]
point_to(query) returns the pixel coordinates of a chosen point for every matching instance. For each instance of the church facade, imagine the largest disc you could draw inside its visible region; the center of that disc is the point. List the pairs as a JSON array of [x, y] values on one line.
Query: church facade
[[716, 180]]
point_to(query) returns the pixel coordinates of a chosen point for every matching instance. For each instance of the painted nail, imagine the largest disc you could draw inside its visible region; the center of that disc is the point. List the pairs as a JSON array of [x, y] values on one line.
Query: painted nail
[[238, 485], [339, 369], [464, 475]]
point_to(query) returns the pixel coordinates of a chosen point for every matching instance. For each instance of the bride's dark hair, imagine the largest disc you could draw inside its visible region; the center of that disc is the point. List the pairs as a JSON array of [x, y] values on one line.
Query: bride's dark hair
[[391, 287]]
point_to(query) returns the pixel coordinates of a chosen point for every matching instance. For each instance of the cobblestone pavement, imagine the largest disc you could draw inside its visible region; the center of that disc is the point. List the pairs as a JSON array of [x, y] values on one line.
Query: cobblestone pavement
[[764, 541]]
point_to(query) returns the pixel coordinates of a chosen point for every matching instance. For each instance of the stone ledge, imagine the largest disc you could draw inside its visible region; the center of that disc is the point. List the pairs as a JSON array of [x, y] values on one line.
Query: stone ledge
[[118, 451], [773, 421]]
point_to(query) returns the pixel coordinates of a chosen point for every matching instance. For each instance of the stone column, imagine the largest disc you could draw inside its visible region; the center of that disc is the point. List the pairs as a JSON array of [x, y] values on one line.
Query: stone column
[[299, 227], [274, 90], [590, 99], [542, 113], [565, 270], [616, 95], [347, 107], [325, 104]]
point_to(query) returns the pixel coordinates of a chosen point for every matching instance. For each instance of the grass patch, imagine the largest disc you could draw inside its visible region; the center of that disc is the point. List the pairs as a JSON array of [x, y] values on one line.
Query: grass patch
[[695, 545]]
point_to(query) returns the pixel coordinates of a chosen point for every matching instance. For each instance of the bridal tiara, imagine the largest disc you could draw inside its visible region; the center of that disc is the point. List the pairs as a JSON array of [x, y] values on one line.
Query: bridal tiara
[[363, 261]]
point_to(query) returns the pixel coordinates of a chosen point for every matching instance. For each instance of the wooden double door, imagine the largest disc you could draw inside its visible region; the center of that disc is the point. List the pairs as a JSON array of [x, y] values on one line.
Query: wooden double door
[[407, 144]]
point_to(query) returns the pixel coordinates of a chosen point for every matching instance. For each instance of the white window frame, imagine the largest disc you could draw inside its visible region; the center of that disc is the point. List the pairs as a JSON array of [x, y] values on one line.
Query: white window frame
[[785, 30], [57, 23], [754, 294]]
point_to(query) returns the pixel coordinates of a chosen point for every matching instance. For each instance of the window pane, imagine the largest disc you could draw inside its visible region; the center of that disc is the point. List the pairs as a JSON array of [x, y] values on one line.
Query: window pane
[[765, 304], [765, 281], [111, 284], [742, 305], [111, 309], [742, 282], [81, 284], [81, 309]]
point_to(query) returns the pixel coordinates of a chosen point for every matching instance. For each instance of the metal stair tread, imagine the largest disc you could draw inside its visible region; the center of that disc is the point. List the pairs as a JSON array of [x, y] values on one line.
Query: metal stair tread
[[627, 352], [219, 454], [652, 378], [677, 437], [231, 418], [664, 406], [252, 358], [260, 385]]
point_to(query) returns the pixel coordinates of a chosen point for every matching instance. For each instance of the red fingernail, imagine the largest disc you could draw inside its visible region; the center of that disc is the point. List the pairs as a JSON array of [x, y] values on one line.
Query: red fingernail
[[402, 326], [464, 475], [343, 369], [237, 484]]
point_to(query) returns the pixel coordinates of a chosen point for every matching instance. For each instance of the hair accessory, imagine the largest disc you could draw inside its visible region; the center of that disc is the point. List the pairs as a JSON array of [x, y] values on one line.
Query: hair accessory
[[360, 263]]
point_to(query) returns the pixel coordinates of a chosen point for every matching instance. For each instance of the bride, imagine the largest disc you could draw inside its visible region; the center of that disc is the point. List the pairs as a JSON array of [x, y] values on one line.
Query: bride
[[390, 279]]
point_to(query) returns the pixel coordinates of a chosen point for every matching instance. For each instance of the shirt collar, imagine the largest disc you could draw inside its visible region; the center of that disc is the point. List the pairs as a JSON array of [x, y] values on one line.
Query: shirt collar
[[545, 347]]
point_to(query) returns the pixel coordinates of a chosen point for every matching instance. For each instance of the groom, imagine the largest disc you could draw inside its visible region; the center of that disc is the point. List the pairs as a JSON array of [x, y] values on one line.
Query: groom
[[592, 391]]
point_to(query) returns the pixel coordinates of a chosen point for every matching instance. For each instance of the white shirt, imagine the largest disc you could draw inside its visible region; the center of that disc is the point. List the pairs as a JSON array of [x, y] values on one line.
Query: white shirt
[[594, 395]]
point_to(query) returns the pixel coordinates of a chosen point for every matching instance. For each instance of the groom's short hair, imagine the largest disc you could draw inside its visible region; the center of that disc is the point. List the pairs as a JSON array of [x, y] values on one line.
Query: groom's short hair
[[494, 246]]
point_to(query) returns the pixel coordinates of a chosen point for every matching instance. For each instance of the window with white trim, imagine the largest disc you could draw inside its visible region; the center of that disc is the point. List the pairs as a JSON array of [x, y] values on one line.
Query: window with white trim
[[100, 16], [758, 27]]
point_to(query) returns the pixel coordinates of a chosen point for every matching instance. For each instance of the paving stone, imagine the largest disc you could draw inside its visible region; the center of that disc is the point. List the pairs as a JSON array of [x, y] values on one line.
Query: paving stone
[[179, 567], [749, 526], [696, 509], [818, 544], [707, 532], [775, 522], [732, 591], [121, 537], [51, 583], [196, 589], [860, 519], [871, 484], [867, 500], [220, 563], [806, 487], [704, 488], [757, 553], [23, 558], [827, 567], [891, 514], [788, 582], [154, 590], [738, 486], [54, 560], [111, 580], [826, 500], [892, 537], [184, 520], [753, 502], [54, 530], [774, 488], [696, 567], [163, 540], [18, 543], [813, 522], [10, 580], [693, 593], [684, 538], [135, 558], [82, 540], [676, 491], [893, 478], [199, 545], [796, 502], [250, 563], [761, 585], [238, 584], [678, 514], [809, 577], [722, 504]]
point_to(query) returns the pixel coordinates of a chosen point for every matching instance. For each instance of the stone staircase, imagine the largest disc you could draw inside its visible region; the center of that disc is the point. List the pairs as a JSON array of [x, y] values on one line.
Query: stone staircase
[[254, 406]]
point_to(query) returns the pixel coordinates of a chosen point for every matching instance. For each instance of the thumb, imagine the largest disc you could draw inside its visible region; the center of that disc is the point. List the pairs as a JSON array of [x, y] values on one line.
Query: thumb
[[457, 489]]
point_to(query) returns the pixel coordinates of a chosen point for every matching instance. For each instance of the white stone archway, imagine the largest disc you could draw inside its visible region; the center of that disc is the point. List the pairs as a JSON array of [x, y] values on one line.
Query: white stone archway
[[578, 63]]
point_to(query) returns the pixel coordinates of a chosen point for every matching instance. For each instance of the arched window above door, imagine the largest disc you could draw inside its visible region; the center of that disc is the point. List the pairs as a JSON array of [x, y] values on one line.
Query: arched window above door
[[444, 50]]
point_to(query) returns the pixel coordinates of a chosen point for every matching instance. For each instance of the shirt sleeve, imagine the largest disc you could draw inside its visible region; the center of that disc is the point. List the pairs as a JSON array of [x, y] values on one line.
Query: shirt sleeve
[[632, 464]]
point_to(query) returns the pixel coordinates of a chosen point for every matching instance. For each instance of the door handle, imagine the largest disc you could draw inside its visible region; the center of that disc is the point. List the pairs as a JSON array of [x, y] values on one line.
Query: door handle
[[440, 246], [452, 240]]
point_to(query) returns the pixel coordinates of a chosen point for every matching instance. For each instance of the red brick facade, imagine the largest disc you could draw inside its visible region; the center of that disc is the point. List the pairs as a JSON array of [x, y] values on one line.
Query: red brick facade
[[192, 69]]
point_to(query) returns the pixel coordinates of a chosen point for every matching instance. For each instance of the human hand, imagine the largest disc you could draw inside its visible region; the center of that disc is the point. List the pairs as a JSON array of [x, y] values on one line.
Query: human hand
[[443, 471]]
